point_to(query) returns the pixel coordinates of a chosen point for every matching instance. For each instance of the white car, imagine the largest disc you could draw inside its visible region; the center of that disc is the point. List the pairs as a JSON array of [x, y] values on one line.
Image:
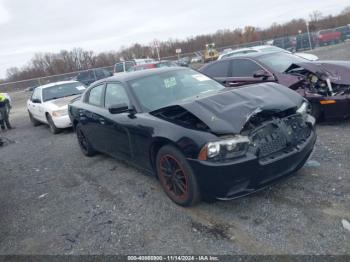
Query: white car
[[265, 48], [49, 104], [125, 66]]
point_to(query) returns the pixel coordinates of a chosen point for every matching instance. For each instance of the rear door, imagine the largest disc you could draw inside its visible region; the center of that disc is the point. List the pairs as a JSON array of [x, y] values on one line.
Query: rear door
[[91, 117], [35, 106]]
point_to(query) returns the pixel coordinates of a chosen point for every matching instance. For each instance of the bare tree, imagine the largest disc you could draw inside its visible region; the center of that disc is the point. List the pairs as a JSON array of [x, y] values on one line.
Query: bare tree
[[315, 16]]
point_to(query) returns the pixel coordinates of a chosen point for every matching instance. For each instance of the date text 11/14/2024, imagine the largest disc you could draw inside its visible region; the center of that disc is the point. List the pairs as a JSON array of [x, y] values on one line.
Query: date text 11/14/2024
[[173, 258]]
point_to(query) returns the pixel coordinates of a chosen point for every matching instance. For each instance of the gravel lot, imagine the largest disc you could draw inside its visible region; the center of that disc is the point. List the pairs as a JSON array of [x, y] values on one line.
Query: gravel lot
[[53, 200]]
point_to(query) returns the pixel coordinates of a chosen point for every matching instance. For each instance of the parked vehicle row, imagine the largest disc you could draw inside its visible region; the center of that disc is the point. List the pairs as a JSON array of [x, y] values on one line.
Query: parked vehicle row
[[264, 49], [240, 124]]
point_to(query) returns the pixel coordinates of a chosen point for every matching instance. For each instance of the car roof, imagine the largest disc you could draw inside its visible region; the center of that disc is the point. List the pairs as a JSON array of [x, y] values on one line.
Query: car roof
[[139, 74], [55, 84], [252, 55]]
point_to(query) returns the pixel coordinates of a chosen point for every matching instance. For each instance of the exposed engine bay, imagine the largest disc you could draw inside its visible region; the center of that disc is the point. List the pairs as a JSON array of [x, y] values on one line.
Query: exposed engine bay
[[320, 82], [181, 116]]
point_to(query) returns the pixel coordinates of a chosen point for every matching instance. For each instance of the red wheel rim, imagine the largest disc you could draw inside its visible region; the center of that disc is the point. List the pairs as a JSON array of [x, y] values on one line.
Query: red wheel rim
[[173, 177]]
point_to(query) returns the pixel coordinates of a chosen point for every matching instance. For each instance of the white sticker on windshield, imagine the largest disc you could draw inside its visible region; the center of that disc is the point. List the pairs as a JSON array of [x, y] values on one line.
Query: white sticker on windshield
[[80, 88], [170, 82], [201, 78]]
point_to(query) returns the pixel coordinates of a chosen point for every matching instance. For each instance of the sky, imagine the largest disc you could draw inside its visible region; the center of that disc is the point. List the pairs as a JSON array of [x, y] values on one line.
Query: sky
[[31, 26]]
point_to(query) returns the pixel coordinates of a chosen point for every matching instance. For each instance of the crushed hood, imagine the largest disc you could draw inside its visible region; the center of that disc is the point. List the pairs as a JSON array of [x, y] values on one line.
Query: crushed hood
[[228, 111], [337, 71]]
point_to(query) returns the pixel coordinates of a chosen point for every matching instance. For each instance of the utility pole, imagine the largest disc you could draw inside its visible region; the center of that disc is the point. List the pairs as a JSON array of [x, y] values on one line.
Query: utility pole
[[308, 33], [156, 45]]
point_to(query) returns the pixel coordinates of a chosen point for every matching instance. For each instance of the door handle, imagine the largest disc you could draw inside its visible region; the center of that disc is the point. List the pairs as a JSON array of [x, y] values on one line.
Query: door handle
[[102, 121], [232, 83]]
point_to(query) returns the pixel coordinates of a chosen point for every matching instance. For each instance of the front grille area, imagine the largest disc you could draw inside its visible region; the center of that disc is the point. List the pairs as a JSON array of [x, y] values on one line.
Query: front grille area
[[280, 135]]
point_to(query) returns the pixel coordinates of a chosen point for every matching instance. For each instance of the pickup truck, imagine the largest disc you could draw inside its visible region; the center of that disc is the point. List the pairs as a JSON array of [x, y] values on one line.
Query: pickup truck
[[328, 36]]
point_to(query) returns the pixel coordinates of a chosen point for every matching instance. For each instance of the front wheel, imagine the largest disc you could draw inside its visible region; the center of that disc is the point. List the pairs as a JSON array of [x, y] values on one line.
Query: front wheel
[[177, 177], [54, 130]]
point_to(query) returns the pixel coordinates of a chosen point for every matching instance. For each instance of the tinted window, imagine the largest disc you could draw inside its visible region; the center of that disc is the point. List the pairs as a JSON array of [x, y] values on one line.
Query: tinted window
[[100, 73], [243, 68], [115, 94], [119, 68], [218, 69], [95, 95]]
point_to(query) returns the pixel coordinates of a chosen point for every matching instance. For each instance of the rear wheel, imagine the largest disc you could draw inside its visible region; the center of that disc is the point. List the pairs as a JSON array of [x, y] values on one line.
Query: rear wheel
[[54, 130], [84, 144], [33, 120], [177, 177]]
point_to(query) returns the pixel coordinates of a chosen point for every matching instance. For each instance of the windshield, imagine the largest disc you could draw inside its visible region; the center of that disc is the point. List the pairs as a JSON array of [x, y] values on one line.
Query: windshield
[[160, 90], [280, 62], [59, 91]]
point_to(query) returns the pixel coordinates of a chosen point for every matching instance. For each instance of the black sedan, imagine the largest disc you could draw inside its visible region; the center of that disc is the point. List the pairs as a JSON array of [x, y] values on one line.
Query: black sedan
[[201, 140], [326, 84]]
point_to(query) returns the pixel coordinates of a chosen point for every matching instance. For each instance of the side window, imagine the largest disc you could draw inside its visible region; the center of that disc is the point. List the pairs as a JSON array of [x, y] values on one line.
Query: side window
[[218, 69], [118, 68], [115, 94], [244, 68], [99, 74], [36, 94], [128, 65], [95, 96], [106, 73]]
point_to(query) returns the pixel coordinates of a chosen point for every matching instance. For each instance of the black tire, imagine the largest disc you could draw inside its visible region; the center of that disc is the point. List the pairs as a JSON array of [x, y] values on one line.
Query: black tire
[[33, 120], [53, 129], [176, 177], [84, 144]]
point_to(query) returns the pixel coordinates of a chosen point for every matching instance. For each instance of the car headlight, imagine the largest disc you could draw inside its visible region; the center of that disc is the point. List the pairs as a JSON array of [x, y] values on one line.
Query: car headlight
[[227, 148], [58, 113], [304, 109]]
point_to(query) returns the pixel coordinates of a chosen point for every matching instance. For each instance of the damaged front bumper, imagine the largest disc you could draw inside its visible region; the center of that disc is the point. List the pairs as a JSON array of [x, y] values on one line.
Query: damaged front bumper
[[333, 107], [250, 173]]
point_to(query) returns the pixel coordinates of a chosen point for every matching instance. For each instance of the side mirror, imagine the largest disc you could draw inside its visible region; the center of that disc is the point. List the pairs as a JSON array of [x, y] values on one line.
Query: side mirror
[[36, 101], [261, 73], [119, 108]]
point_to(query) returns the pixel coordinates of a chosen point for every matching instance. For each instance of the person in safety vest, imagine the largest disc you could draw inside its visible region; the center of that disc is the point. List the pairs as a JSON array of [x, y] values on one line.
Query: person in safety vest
[[5, 107]]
